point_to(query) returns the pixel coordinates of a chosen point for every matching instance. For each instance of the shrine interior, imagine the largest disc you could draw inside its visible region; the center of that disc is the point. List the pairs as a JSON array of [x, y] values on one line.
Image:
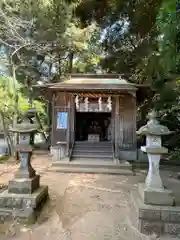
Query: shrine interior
[[92, 123]]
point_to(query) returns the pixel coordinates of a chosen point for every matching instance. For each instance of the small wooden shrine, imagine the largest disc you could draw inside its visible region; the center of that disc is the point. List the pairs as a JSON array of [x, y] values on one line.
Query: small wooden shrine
[[92, 108]]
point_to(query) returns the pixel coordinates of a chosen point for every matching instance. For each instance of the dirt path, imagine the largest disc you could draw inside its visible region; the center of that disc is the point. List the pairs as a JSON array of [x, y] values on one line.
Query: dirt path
[[81, 207]]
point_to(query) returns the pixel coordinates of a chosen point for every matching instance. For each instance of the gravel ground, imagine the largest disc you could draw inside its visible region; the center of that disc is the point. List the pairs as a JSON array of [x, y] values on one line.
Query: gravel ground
[[81, 207]]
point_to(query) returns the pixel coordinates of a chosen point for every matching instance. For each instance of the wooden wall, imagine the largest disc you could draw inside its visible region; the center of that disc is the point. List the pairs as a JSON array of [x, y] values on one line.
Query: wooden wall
[[127, 122], [124, 127]]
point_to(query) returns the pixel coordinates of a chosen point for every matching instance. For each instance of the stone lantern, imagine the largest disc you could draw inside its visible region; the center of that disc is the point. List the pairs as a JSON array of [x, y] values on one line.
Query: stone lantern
[[154, 149], [24, 148], [24, 194], [154, 207]]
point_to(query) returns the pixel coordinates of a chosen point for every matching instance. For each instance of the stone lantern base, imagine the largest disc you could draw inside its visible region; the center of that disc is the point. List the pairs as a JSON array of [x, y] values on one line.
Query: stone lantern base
[[156, 197], [154, 212], [21, 206], [24, 196], [24, 185]]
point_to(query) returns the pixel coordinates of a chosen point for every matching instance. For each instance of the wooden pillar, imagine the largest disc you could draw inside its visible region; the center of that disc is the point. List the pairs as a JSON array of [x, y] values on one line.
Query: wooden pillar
[[134, 123], [68, 102], [113, 121], [117, 109], [72, 119], [121, 121]]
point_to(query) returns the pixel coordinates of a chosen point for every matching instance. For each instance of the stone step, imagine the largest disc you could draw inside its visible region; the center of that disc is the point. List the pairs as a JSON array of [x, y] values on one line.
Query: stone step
[[92, 149], [98, 151], [93, 144], [98, 170], [96, 145], [91, 153], [89, 159], [87, 142], [85, 163], [91, 156]]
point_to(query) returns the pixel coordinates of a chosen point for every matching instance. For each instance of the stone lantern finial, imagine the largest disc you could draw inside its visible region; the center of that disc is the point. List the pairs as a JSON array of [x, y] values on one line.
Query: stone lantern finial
[[152, 115]]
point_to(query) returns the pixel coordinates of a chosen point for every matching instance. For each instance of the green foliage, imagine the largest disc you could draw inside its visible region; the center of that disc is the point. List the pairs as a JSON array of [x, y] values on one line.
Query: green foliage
[[88, 59], [7, 105], [175, 155]]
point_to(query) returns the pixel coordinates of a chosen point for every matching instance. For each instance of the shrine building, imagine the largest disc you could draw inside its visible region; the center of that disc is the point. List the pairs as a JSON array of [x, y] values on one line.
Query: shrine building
[[93, 117]]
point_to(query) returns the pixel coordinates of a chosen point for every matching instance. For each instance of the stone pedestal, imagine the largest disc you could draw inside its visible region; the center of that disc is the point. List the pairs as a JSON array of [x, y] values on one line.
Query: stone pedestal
[[162, 197], [159, 219], [58, 152], [22, 199], [21, 206], [24, 185]]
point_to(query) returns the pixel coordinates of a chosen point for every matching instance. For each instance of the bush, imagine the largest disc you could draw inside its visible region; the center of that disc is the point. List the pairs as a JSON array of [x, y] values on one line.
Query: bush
[[175, 155]]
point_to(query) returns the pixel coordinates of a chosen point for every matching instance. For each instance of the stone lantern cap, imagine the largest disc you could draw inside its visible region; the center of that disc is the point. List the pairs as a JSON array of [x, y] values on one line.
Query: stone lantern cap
[[153, 127], [24, 127]]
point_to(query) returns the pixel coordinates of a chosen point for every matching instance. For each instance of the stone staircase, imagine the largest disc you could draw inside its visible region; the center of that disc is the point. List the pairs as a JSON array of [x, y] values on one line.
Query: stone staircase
[[92, 158], [92, 151]]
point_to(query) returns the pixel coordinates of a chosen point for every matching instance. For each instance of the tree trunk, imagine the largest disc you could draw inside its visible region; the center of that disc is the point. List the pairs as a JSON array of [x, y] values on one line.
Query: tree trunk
[[70, 67], [15, 119], [41, 127], [6, 135]]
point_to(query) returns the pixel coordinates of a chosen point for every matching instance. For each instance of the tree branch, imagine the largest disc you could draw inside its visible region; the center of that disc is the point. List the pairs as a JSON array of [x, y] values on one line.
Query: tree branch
[[7, 44]]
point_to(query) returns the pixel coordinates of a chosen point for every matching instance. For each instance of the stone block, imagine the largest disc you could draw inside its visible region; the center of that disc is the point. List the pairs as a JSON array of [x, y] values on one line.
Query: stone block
[[24, 185], [22, 201], [172, 228], [146, 218], [153, 218], [22, 206], [58, 152], [27, 215], [150, 214], [156, 197], [128, 155], [149, 227], [171, 215]]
